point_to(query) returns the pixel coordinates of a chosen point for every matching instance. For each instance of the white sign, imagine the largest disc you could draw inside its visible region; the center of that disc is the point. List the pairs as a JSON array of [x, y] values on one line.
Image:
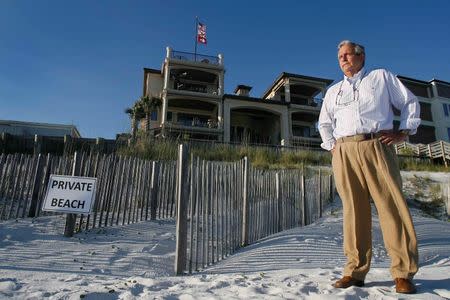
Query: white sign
[[70, 194]]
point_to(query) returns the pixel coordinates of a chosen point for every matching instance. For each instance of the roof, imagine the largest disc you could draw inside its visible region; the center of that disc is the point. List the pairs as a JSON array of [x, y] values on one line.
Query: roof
[[292, 75], [149, 70], [422, 81], [412, 79], [439, 81], [71, 128]]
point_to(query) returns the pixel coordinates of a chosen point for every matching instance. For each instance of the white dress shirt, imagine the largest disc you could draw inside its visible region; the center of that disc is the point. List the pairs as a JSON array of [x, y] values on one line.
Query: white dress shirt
[[363, 104]]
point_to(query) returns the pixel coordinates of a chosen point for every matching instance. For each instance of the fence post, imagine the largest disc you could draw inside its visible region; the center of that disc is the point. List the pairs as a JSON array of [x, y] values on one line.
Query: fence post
[[71, 218], [279, 203], [67, 144], [100, 145], [319, 186], [182, 198], [330, 186], [4, 142], [245, 210], [153, 191], [448, 198], [37, 144], [304, 215], [36, 186], [443, 152]]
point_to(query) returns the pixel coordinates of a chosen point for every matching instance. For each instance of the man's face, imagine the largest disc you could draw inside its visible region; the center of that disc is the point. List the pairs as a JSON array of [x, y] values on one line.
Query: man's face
[[349, 62]]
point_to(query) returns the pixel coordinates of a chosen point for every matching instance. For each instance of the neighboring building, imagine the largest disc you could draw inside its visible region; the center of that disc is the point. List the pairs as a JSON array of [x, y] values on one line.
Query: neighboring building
[[194, 105], [42, 129], [434, 99]]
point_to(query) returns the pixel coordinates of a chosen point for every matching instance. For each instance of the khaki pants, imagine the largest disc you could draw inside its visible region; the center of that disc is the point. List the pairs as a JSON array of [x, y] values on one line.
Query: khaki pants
[[370, 168]]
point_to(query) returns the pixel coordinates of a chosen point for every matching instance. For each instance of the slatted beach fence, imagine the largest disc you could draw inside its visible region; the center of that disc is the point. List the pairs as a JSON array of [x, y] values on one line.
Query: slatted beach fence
[[128, 189], [23, 180], [212, 212], [228, 205], [219, 206]]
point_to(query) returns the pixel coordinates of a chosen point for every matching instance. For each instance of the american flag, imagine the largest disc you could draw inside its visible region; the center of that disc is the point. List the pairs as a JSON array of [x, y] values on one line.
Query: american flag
[[201, 33]]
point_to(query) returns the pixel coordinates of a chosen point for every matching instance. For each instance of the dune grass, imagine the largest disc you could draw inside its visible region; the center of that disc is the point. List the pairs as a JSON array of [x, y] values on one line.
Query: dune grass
[[264, 157]]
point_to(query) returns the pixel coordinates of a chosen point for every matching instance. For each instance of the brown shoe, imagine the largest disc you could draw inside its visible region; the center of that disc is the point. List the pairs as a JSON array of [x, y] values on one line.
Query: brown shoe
[[348, 281], [404, 286]]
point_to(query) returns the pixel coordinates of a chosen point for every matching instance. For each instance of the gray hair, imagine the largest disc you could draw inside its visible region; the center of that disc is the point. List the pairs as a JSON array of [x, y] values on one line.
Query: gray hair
[[359, 49]]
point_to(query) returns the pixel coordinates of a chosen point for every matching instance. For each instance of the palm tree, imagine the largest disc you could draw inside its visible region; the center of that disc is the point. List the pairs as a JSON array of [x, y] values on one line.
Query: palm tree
[[149, 104], [136, 113]]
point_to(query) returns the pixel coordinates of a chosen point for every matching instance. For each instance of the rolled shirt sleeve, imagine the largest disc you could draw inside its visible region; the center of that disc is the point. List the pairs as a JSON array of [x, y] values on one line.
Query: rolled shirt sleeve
[[405, 101], [325, 125]]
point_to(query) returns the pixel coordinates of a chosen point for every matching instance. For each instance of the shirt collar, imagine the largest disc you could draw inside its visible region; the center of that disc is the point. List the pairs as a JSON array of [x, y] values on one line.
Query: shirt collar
[[358, 76]]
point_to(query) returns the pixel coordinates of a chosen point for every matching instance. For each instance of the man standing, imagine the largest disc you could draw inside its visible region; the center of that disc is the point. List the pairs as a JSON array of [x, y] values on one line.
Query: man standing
[[356, 126]]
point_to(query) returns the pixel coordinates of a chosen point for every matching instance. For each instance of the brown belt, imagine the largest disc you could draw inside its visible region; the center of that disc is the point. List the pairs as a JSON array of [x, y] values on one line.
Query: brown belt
[[359, 137]]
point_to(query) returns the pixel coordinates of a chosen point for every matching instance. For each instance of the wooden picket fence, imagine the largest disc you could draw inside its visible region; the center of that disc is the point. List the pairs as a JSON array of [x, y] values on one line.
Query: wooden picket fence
[[128, 189], [227, 205]]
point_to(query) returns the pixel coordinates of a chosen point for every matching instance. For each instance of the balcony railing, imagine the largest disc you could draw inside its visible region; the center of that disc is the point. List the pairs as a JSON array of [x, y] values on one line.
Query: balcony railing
[[211, 124], [192, 87], [314, 102], [198, 88], [195, 57]]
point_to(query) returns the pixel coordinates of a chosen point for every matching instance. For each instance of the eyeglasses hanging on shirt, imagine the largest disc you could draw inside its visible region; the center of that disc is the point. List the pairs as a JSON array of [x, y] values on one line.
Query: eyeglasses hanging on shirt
[[353, 96], [347, 99]]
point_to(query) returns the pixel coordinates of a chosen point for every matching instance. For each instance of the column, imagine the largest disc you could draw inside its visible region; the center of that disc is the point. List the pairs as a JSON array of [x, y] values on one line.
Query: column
[[226, 122], [221, 84], [284, 126], [219, 114], [164, 109], [287, 91], [166, 75]]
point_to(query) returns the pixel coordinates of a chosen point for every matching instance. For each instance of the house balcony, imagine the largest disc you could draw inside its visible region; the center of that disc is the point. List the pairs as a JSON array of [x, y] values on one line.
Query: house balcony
[[210, 126], [307, 104], [193, 89]]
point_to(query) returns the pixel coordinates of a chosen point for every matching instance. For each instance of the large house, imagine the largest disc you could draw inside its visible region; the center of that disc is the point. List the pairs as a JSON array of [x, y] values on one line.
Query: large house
[[194, 105]]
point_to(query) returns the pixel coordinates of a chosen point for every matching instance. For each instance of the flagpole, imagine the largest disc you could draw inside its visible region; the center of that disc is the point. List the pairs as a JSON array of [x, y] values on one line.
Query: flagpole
[[196, 37]]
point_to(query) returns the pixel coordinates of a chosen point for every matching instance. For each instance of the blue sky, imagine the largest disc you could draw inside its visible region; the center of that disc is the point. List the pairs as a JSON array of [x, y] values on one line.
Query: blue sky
[[81, 62]]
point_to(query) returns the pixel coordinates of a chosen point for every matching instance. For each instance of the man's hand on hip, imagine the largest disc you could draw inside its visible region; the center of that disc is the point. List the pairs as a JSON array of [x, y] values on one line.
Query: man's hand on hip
[[391, 138]]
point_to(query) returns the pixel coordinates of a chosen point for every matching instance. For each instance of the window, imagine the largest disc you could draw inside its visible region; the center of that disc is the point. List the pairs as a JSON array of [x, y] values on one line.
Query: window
[[425, 135], [192, 120], [443, 90], [417, 89], [154, 116], [425, 111], [445, 106], [169, 116], [448, 133], [301, 131], [396, 125]]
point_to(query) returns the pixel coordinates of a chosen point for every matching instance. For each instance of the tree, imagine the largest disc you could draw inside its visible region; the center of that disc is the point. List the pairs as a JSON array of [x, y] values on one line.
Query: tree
[[149, 104], [136, 113]]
